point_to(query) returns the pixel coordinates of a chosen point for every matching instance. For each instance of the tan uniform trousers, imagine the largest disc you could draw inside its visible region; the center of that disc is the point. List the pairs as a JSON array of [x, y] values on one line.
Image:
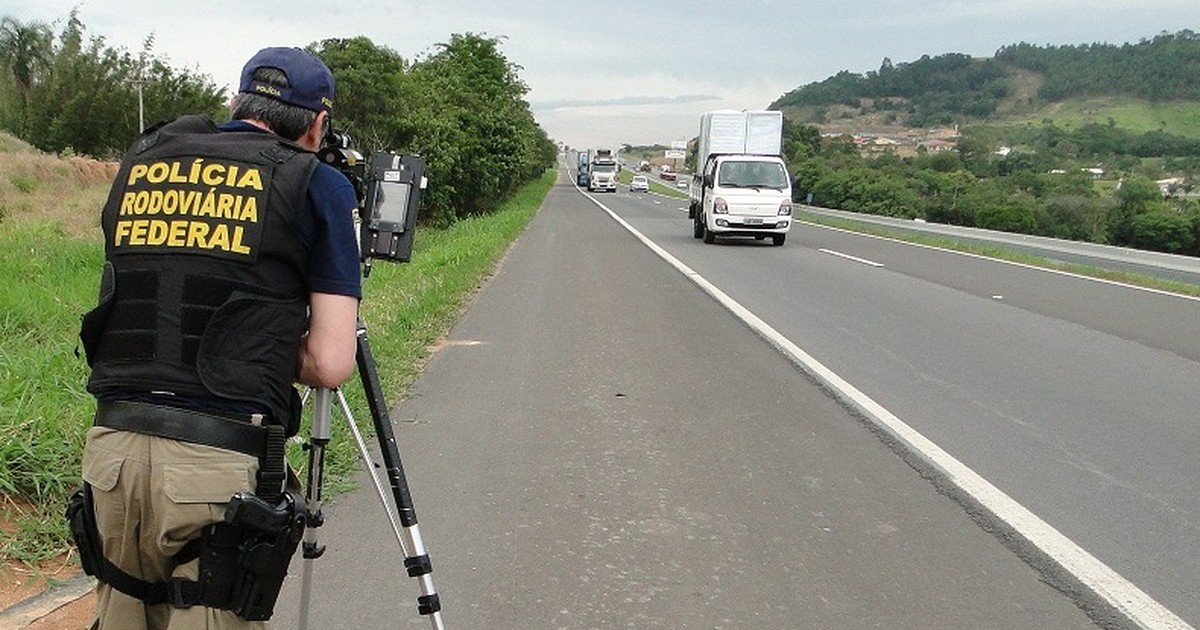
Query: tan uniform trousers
[[152, 495]]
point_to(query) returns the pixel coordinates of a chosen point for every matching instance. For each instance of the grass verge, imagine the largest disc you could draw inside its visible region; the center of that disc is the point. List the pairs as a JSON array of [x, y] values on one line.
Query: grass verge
[[51, 278]]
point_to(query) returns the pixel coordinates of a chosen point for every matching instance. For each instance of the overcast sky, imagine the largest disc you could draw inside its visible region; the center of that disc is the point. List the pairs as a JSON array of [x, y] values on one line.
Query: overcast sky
[[637, 72]]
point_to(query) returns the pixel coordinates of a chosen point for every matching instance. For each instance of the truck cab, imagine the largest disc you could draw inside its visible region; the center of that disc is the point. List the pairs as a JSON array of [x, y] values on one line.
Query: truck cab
[[741, 195], [603, 174]]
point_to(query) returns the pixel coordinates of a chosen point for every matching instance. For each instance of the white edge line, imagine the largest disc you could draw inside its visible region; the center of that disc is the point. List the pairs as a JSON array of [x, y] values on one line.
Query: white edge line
[[1106, 583]]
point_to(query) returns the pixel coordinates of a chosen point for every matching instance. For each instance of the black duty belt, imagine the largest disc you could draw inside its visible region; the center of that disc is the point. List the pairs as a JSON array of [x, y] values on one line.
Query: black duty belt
[[184, 425], [266, 442]]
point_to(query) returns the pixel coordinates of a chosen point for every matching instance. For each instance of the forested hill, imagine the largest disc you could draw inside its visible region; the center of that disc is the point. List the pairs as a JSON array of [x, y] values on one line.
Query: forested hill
[[955, 88]]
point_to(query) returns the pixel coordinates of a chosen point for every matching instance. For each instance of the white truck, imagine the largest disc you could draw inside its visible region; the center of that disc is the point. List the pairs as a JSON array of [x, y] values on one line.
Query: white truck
[[602, 171], [741, 186]]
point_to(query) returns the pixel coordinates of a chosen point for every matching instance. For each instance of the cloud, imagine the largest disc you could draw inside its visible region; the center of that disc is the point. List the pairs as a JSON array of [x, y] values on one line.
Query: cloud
[[545, 106]]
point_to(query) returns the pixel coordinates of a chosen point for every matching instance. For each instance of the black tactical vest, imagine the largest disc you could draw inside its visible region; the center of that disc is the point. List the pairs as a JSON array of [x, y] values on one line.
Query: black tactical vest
[[203, 293]]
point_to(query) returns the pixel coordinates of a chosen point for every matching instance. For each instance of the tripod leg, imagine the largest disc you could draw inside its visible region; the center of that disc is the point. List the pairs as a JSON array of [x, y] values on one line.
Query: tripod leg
[[318, 441], [416, 559]]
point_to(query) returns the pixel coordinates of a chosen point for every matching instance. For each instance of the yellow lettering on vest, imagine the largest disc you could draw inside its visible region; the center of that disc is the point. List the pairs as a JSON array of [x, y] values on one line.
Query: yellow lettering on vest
[[225, 204], [120, 232], [127, 203], [197, 232], [238, 247], [250, 210], [178, 234], [208, 207], [171, 201], [137, 231], [213, 174], [156, 202], [157, 233], [141, 202], [190, 202], [219, 239], [194, 171], [231, 175], [176, 177], [251, 179], [157, 172], [137, 172]]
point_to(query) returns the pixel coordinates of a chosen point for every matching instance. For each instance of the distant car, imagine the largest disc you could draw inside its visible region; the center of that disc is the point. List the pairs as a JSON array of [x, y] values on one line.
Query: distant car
[[667, 175], [682, 182], [639, 184], [582, 178]]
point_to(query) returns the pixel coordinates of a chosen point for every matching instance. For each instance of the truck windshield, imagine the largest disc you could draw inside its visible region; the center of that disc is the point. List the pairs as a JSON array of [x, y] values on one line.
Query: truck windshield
[[604, 168], [752, 175]]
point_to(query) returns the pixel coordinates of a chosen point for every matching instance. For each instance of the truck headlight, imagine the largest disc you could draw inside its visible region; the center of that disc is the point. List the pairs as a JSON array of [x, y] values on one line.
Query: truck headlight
[[720, 207], [785, 209]]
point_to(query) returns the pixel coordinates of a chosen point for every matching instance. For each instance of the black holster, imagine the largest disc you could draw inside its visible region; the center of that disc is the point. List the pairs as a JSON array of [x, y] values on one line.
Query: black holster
[[81, 520], [243, 561]]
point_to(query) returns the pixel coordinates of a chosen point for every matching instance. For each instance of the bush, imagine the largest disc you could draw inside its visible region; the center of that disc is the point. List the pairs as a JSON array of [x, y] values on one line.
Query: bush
[[1164, 230]]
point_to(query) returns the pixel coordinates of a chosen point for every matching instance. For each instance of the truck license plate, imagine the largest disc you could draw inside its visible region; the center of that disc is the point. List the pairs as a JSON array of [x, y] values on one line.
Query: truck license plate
[[753, 221]]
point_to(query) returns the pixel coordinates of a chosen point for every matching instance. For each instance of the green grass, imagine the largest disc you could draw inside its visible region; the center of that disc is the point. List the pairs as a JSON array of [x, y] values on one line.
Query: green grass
[[1000, 253], [1139, 116], [50, 280]]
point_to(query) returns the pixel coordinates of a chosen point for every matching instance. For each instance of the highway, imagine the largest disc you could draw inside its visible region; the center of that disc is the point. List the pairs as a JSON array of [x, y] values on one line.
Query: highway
[[900, 437], [1075, 397]]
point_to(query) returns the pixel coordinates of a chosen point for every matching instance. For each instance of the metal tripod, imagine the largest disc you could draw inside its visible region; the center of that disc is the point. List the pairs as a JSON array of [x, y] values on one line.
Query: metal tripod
[[403, 517]]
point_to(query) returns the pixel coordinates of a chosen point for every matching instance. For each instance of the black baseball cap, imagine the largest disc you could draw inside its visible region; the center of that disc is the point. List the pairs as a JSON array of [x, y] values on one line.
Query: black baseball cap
[[310, 81]]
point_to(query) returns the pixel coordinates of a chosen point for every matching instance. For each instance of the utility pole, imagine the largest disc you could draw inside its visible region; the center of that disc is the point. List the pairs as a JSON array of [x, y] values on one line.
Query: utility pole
[[137, 83], [141, 105]]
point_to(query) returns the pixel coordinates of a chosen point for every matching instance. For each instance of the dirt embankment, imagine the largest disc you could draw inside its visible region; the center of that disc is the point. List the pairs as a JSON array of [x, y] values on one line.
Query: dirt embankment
[[67, 191]]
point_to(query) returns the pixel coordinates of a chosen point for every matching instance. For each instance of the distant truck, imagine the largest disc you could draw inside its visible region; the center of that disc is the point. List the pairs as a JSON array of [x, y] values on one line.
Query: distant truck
[[582, 177], [602, 171], [741, 186]]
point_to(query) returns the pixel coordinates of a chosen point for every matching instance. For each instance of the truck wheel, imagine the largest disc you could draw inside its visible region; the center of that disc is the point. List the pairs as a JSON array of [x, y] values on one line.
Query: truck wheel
[[709, 236], [778, 239], [692, 211], [697, 228]]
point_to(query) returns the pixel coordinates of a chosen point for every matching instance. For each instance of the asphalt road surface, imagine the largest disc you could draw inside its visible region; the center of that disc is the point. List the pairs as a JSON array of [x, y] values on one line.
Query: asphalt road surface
[[600, 444], [1075, 397]]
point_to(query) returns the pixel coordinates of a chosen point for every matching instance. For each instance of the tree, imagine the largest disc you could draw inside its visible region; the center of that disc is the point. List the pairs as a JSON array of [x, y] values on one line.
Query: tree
[[470, 118], [25, 53], [79, 94], [370, 97], [1133, 197]]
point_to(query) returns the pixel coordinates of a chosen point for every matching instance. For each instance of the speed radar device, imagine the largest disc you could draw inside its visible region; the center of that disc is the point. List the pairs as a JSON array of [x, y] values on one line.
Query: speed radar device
[[389, 186], [389, 212]]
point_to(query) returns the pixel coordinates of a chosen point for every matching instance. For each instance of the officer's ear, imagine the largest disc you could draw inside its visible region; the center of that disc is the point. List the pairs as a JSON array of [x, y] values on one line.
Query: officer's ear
[[311, 139]]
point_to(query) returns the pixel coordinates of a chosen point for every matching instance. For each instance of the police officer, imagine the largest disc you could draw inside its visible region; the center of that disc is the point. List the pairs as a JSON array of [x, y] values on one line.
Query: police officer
[[232, 271]]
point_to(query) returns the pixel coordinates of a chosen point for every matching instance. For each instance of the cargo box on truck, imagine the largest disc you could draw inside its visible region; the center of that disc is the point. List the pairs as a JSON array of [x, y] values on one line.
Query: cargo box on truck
[[741, 186]]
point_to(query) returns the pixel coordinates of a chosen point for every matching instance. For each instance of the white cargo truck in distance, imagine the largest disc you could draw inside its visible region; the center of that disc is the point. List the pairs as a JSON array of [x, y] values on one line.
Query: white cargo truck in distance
[[602, 171], [741, 186]]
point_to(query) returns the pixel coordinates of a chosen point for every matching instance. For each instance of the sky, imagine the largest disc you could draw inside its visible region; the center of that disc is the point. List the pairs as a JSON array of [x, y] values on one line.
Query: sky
[[623, 72]]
